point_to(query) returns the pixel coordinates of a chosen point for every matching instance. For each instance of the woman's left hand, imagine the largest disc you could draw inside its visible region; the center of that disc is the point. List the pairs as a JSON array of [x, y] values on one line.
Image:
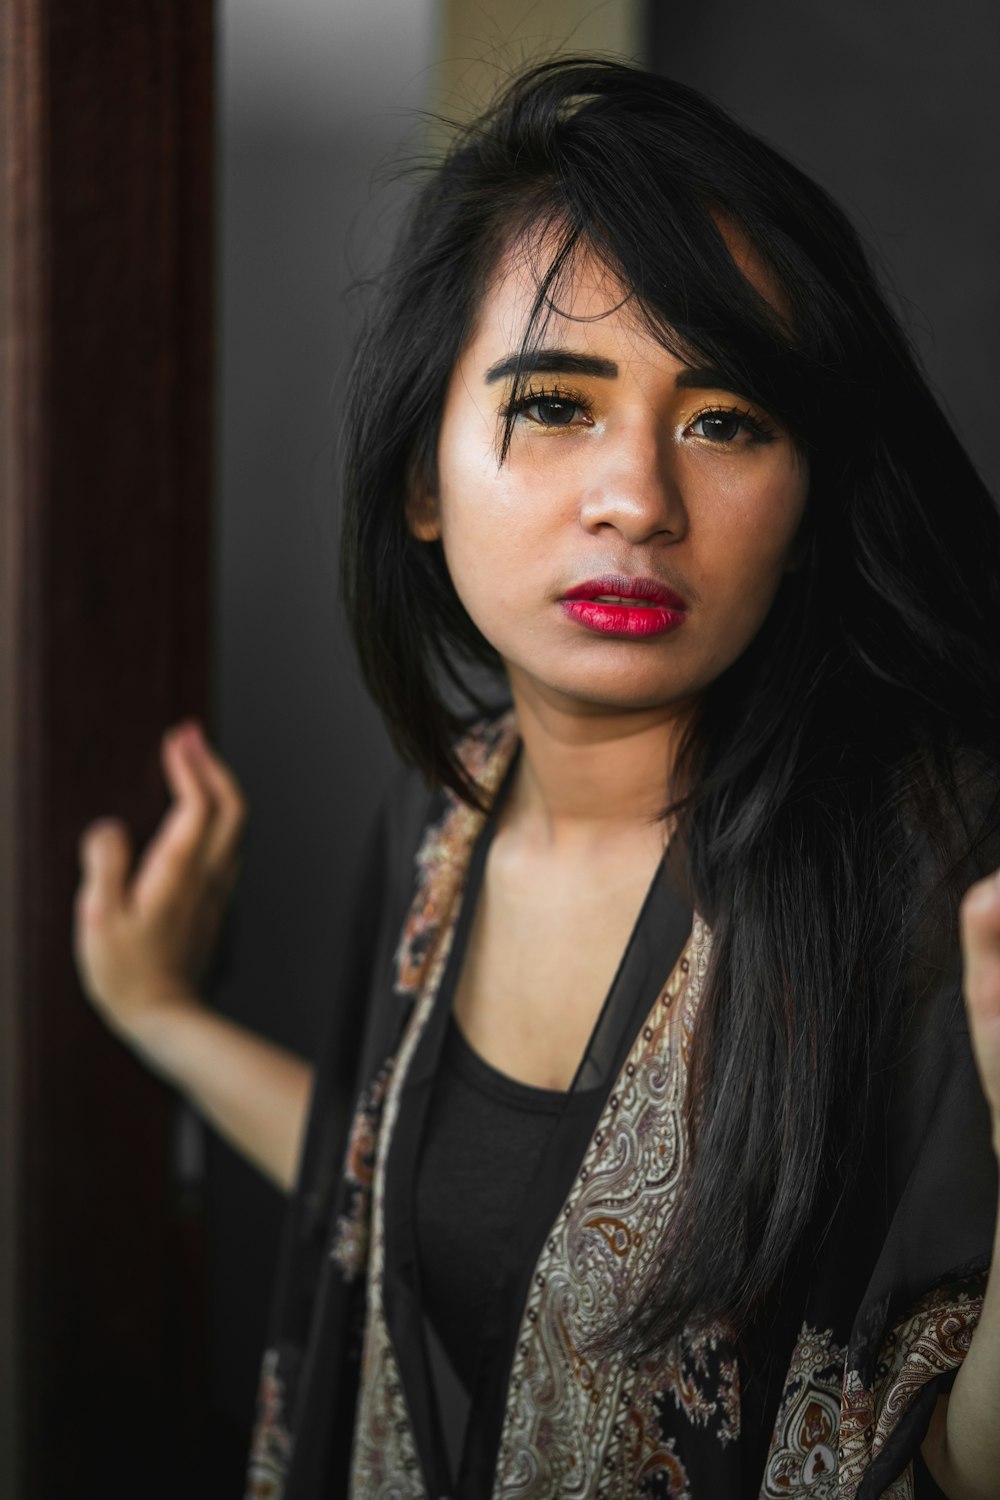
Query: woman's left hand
[[979, 925]]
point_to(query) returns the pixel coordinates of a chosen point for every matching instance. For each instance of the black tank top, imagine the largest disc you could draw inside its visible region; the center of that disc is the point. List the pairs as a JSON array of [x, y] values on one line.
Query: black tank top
[[485, 1135]]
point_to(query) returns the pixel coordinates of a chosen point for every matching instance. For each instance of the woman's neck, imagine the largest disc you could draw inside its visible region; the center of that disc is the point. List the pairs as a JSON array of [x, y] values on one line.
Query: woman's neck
[[589, 776]]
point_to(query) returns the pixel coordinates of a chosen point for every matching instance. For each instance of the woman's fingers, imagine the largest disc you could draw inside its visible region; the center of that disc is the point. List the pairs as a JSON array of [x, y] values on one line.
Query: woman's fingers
[[231, 807], [100, 915], [144, 946], [105, 857], [980, 934], [177, 852]]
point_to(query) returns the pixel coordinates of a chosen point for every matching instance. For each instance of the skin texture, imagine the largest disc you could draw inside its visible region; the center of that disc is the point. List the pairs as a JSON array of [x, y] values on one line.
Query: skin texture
[[624, 475]]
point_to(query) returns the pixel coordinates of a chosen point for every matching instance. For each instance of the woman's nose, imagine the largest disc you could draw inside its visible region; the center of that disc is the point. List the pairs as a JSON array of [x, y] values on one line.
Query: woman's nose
[[633, 487]]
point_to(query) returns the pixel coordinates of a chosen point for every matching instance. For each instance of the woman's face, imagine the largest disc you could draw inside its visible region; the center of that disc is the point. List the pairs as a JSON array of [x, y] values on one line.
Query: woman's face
[[627, 471]]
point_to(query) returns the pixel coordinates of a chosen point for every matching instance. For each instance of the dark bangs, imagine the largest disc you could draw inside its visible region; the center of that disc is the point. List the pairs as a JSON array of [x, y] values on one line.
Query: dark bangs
[[682, 281]]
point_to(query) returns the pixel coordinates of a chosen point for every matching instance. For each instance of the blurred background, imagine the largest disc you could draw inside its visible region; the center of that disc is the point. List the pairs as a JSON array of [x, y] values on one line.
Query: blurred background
[[261, 181]]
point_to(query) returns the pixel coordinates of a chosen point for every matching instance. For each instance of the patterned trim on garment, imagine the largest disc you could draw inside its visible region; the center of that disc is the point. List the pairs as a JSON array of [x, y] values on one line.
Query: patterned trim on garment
[[579, 1426], [444, 850], [384, 1460], [271, 1447], [350, 1239], [802, 1458], [441, 861], [929, 1341]]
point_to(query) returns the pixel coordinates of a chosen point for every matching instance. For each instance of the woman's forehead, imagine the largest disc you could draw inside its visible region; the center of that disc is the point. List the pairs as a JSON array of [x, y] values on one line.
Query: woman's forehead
[[586, 290]]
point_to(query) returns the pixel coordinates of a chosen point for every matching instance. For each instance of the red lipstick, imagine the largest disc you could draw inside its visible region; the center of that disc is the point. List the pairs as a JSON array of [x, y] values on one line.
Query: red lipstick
[[618, 605]]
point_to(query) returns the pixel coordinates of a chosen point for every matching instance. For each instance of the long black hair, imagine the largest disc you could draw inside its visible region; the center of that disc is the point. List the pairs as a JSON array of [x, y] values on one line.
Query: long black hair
[[852, 740]]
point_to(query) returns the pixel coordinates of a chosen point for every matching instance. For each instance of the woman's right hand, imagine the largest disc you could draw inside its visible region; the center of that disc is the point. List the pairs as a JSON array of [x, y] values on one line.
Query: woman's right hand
[[142, 946]]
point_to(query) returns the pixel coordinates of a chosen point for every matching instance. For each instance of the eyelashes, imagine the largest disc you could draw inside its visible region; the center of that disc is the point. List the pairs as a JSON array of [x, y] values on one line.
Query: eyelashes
[[555, 407], [724, 418], [560, 404]]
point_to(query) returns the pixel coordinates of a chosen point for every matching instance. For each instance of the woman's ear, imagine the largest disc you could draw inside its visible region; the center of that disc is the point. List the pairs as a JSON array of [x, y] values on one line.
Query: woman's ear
[[422, 515]]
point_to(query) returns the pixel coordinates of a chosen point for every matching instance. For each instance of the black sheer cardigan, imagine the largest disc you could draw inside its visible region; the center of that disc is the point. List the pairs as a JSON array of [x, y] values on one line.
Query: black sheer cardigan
[[919, 1224]]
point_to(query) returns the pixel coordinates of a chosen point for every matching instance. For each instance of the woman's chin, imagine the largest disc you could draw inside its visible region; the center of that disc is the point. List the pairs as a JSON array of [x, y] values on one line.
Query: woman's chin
[[598, 693]]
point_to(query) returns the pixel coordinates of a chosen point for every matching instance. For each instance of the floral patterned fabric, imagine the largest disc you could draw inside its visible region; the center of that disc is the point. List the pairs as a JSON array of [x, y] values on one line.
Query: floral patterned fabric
[[874, 1329]]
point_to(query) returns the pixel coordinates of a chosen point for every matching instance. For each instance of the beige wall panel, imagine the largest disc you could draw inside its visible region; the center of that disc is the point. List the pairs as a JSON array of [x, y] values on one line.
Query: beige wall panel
[[481, 42]]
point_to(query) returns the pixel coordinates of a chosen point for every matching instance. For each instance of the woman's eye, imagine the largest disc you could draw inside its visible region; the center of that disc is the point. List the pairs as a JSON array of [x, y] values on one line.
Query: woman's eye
[[551, 412], [725, 426], [550, 409]]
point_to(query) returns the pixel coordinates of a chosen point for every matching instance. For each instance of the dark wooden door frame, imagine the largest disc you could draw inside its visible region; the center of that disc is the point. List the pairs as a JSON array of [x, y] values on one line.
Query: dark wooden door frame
[[106, 351]]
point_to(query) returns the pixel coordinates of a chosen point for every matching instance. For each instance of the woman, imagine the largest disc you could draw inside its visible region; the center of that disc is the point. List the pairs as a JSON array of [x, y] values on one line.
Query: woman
[[651, 1158]]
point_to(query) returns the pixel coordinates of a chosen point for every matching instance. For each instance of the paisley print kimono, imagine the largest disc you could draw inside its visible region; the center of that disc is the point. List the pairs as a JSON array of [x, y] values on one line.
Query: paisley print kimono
[[829, 1398]]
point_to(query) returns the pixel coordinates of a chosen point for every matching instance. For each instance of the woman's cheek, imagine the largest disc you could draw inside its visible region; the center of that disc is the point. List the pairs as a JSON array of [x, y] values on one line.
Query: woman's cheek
[[737, 595]]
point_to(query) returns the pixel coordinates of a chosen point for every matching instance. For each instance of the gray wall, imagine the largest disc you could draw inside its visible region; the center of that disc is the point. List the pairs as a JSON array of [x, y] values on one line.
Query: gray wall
[[315, 97], [894, 107]]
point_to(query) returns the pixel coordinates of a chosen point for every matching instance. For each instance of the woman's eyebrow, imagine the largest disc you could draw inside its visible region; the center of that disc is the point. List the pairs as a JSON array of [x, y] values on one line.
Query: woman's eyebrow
[[704, 378], [552, 362], [571, 362]]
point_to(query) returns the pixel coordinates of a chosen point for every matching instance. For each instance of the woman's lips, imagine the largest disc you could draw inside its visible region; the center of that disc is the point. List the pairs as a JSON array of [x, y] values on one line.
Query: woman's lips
[[618, 605]]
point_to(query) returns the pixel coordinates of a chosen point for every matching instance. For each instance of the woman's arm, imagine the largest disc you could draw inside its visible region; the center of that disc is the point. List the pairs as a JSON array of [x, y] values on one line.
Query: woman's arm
[[962, 1446], [254, 1093], [143, 944]]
